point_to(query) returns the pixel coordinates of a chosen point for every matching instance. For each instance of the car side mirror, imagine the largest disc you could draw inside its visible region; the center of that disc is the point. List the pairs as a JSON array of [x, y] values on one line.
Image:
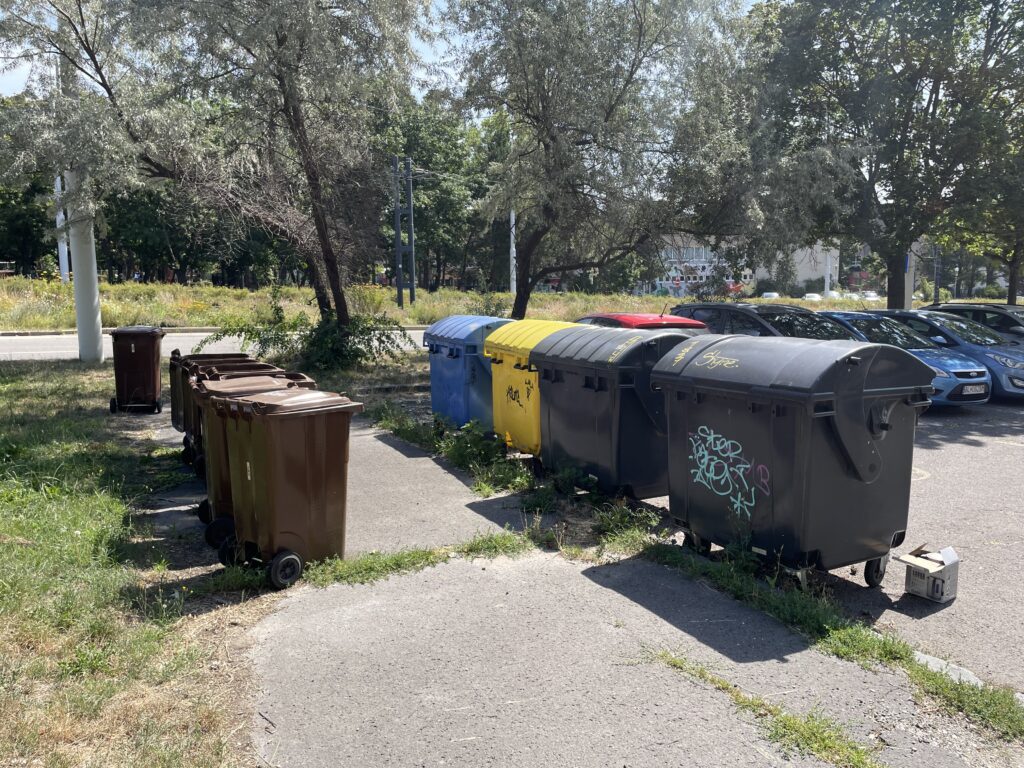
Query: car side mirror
[[940, 340], [1016, 330]]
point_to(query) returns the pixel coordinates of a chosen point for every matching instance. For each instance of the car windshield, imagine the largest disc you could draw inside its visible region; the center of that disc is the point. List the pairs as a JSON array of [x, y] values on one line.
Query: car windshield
[[968, 330], [805, 325], [882, 330]]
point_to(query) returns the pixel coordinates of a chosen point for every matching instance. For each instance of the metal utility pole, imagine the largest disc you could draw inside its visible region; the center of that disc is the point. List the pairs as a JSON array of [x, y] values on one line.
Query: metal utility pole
[[828, 271], [62, 235], [512, 251], [83, 248], [937, 261], [401, 249]]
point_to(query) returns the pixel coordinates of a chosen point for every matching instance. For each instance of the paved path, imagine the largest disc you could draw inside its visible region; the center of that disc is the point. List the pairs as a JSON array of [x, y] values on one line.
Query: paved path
[[539, 661], [968, 492]]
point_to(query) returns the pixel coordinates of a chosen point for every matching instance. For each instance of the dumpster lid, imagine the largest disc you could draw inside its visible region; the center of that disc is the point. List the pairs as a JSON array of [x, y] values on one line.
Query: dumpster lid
[[284, 402], [138, 330], [216, 368], [463, 328], [242, 386], [603, 347], [520, 337], [807, 366]]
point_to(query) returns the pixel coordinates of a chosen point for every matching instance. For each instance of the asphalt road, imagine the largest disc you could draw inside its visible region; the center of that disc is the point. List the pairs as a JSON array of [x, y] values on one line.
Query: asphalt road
[[65, 346]]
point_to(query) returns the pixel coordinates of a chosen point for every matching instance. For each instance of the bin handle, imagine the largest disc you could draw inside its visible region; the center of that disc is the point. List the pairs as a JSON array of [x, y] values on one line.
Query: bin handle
[[850, 419]]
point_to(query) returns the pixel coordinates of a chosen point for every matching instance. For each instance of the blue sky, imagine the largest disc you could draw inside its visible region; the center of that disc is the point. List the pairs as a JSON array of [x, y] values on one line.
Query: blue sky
[[13, 81]]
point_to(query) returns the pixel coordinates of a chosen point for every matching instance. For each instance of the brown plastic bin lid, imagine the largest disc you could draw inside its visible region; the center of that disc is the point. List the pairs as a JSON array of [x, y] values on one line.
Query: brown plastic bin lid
[[218, 368], [247, 386], [293, 402], [138, 330]]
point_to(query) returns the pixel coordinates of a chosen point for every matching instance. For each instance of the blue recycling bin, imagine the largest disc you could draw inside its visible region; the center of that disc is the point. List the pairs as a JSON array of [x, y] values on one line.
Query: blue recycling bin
[[460, 375]]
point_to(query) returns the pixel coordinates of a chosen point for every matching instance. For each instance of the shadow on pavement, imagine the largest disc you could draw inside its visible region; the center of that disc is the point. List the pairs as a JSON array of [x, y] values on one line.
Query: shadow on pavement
[[696, 609], [970, 425], [870, 604]]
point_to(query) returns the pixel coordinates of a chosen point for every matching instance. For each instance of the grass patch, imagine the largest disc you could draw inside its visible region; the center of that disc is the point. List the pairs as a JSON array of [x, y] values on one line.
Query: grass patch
[[491, 545], [89, 648], [468, 448], [373, 566], [377, 566], [811, 734], [822, 620]]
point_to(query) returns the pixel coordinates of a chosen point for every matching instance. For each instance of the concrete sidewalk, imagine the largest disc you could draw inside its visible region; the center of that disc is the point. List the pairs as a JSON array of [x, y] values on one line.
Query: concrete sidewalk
[[540, 661]]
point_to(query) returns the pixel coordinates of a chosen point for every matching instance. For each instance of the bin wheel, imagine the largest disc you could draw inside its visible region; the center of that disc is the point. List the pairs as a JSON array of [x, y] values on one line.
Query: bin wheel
[[113, 405], [158, 407], [874, 571], [697, 544], [203, 512], [218, 530], [285, 569], [229, 553]]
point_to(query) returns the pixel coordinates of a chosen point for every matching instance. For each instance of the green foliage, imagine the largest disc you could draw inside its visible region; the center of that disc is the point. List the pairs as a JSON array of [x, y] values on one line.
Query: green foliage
[[371, 567], [491, 545], [928, 291], [993, 291], [365, 341], [618, 516]]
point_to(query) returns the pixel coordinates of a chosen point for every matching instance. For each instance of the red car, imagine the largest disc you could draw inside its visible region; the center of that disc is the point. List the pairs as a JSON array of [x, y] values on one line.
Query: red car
[[641, 320]]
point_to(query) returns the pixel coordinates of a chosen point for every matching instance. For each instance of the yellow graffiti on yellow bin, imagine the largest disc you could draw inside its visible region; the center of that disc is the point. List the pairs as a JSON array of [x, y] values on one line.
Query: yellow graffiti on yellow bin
[[714, 360], [617, 352], [682, 353]]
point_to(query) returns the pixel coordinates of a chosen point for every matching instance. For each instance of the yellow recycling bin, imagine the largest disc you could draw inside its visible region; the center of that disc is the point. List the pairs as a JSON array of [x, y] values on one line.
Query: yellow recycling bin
[[515, 387]]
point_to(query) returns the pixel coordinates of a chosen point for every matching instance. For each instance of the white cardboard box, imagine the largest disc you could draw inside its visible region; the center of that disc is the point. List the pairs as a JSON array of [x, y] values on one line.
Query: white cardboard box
[[932, 574]]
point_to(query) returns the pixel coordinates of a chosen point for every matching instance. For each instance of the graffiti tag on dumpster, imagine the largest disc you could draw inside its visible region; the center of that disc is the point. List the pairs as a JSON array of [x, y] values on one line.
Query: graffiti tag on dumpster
[[512, 396], [719, 465], [715, 359]]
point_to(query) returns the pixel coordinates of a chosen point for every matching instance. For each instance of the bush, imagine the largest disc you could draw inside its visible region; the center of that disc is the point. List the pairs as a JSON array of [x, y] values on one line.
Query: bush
[[992, 292], [618, 517], [367, 339]]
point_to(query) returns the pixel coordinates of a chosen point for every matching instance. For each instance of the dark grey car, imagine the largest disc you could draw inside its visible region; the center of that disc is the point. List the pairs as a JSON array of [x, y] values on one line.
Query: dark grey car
[[764, 320], [1005, 319]]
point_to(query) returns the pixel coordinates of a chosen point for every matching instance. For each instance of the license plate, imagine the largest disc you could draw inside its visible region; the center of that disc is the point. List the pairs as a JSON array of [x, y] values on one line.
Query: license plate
[[975, 389]]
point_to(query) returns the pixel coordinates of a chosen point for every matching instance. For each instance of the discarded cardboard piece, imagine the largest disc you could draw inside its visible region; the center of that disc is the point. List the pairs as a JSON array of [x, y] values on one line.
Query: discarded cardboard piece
[[932, 574]]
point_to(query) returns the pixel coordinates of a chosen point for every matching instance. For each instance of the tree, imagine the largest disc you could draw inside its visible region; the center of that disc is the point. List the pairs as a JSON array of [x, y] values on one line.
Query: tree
[[741, 178], [900, 83], [259, 110], [586, 86], [24, 225]]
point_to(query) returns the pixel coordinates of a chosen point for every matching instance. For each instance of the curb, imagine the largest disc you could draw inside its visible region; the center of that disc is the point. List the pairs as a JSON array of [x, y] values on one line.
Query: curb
[[197, 329]]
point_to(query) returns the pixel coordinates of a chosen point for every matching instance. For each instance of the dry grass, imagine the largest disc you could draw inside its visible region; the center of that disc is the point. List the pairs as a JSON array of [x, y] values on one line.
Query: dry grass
[[120, 647], [37, 305]]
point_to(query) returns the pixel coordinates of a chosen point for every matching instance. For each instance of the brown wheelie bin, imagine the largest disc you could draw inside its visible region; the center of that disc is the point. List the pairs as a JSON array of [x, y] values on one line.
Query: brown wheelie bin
[[179, 378], [289, 477], [200, 371], [136, 368], [215, 510]]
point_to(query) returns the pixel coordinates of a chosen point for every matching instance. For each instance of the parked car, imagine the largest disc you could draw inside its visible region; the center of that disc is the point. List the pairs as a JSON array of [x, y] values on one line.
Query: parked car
[[763, 320], [1005, 319], [812, 297], [959, 380], [833, 295], [852, 296], [642, 320], [870, 296], [770, 295], [1005, 361]]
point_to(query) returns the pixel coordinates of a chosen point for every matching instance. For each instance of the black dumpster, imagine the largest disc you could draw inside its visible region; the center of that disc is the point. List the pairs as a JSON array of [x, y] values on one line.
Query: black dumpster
[[800, 449], [597, 410]]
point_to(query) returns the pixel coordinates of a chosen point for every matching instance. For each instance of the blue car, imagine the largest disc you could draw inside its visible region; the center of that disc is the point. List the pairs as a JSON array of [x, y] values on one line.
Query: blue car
[[1004, 360], [959, 380]]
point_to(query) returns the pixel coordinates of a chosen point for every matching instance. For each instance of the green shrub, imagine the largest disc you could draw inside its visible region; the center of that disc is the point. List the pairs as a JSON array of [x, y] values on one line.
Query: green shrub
[[617, 517]]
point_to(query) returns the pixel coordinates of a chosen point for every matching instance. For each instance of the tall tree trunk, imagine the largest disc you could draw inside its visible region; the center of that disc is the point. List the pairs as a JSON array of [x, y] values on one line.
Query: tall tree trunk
[[1013, 270], [895, 260], [296, 119], [323, 299], [524, 264]]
